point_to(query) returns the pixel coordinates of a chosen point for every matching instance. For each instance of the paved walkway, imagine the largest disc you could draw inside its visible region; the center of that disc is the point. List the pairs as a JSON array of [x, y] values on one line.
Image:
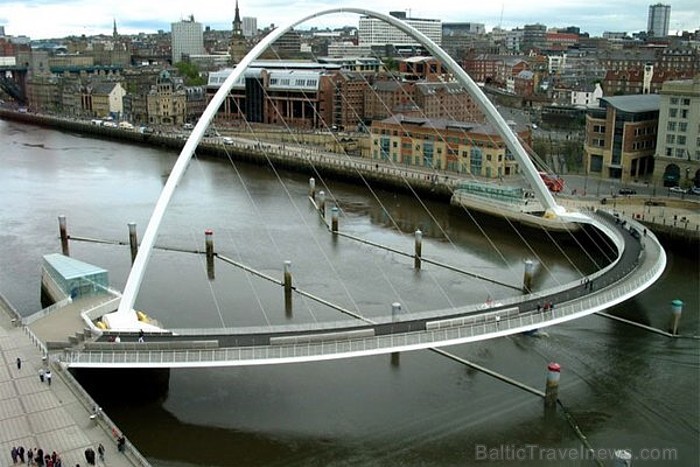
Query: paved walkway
[[36, 415]]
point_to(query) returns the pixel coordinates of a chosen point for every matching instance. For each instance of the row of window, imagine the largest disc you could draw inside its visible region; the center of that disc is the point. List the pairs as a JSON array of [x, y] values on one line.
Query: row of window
[[684, 101], [406, 146], [647, 130], [680, 126], [676, 139], [677, 152], [451, 140], [297, 82], [674, 112], [639, 145]]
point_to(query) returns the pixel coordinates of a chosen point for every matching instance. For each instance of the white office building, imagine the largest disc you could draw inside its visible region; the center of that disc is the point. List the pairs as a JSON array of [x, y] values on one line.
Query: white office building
[[659, 18], [374, 32], [250, 26], [187, 39]]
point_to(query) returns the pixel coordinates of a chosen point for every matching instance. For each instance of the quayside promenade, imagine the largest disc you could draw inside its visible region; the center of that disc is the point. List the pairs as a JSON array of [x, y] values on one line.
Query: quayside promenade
[[58, 417]]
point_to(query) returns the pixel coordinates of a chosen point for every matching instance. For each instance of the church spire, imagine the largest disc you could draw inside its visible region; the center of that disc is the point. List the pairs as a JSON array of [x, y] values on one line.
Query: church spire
[[115, 34], [237, 27]]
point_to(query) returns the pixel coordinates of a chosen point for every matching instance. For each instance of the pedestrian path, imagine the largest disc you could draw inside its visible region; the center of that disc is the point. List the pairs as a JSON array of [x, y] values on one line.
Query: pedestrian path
[[36, 415]]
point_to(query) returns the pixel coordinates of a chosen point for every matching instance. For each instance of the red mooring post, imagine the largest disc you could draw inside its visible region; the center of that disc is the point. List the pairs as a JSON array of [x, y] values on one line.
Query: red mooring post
[[552, 390]]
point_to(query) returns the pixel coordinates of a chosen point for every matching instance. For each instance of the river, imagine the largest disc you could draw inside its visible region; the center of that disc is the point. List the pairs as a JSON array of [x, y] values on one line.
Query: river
[[626, 388]]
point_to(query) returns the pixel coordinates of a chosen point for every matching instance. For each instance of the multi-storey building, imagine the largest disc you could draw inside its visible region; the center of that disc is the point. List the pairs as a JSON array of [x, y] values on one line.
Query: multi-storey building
[[166, 102], [374, 32], [658, 20], [621, 137], [187, 38], [494, 69], [534, 36], [677, 159], [462, 147], [250, 26], [298, 98], [104, 100]]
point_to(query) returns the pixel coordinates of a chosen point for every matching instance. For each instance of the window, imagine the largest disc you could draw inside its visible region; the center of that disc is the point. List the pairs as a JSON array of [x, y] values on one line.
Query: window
[[681, 140], [670, 139], [674, 101], [598, 128], [682, 127], [671, 126], [680, 152], [685, 101], [673, 113], [669, 152], [684, 113]]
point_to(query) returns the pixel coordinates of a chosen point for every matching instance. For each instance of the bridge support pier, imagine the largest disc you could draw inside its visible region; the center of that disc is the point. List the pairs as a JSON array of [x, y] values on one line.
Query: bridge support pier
[[527, 277], [334, 219], [288, 287], [312, 188], [209, 245], [63, 231], [551, 392], [677, 311], [418, 249], [133, 241]]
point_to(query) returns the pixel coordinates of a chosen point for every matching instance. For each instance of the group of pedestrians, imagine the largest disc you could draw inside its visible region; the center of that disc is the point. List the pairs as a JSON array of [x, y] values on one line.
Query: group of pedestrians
[[45, 376], [38, 457], [35, 456], [90, 454]]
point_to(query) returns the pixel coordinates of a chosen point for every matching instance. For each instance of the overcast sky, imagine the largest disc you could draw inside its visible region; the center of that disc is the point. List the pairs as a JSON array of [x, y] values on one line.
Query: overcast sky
[[41, 19]]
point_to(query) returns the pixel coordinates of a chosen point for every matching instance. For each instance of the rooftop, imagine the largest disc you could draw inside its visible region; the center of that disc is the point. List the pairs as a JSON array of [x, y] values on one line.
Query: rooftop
[[634, 103], [71, 268]]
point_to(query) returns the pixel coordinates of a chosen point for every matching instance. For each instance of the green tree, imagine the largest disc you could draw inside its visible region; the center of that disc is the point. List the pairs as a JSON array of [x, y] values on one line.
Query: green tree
[[190, 73]]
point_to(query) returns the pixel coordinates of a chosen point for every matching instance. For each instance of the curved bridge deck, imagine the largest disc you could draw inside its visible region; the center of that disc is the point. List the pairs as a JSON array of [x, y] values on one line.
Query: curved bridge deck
[[640, 261]]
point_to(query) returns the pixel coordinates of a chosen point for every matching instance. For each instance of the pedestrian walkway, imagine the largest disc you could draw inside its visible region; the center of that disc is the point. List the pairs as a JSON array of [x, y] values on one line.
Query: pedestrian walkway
[[53, 418]]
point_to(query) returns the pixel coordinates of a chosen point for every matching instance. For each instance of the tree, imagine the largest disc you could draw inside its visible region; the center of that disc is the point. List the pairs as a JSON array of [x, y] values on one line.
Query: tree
[[190, 73]]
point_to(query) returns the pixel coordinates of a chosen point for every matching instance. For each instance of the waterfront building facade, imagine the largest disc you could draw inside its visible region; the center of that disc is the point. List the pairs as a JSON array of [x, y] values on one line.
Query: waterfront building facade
[[677, 158], [166, 102], [462, 147], [621, 137]]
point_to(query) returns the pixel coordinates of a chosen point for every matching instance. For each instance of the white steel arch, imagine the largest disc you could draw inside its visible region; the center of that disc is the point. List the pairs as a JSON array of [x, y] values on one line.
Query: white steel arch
[[125, 317]]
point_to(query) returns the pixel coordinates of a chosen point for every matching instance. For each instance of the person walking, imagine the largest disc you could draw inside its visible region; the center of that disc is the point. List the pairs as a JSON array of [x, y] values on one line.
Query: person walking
[[101, 452], [19, 363], [41, 375], [48, 377]]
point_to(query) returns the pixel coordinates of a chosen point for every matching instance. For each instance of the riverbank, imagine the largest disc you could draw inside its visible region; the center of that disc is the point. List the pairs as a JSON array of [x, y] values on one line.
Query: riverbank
[[676, 222], [56, 417]]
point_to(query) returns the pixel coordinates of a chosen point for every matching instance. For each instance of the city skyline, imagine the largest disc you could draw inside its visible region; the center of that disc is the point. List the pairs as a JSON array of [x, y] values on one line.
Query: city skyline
[[46, 19]]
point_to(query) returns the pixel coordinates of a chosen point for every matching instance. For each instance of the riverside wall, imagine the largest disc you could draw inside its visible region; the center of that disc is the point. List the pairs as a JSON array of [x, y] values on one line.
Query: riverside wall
[[352, 169]]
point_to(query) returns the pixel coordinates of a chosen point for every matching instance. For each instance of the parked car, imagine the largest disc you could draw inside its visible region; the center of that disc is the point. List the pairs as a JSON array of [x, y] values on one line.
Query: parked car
[[677, 189], [695, 190], [627, 191]]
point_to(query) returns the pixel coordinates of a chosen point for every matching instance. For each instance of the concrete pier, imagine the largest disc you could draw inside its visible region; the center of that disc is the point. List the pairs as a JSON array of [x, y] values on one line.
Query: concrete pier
[[54, 418]]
